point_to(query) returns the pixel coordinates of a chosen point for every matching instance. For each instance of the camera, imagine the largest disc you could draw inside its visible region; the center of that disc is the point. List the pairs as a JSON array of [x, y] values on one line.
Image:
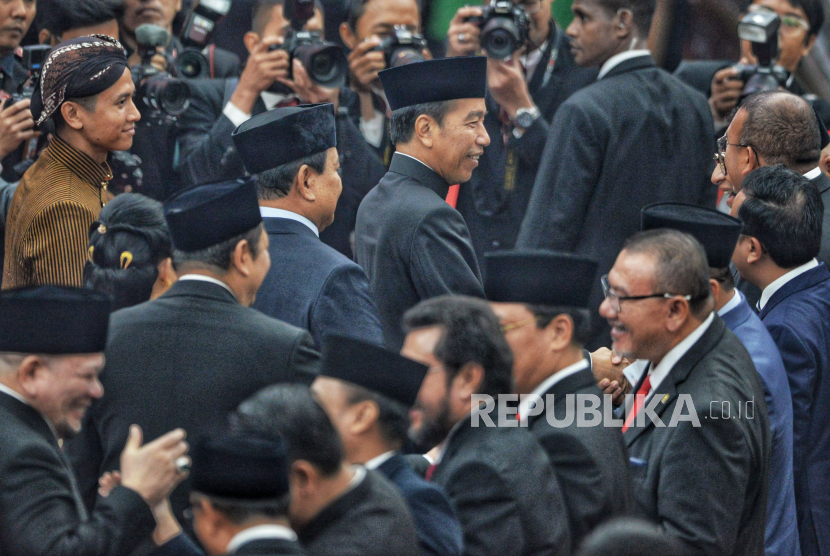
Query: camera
[[196, 35], [32, 58], [165, 97], [761, 30], [325, 62], [504, 28], [402, 47]]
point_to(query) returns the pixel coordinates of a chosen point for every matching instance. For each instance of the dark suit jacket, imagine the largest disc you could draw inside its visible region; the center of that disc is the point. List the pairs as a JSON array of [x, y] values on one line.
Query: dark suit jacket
[[698, 74], [782, 526], [186, 359], [798, 319], [412, 244], [636, 136], [370, 520], [207, 154], [312, 286], [41, 511], [493, 205], [706, 485], [505, 492], [591, 463], [182, 545], [439, 532]]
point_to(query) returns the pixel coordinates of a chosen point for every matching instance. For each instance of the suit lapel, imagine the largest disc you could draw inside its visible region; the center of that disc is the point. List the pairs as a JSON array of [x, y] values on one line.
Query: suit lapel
[[800, 283], [409, 167], [666, 392]]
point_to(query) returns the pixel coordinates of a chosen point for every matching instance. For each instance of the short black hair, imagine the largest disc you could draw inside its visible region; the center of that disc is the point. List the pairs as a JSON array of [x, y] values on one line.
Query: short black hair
[[276, 182], [217, 257], [356, 8], [393, 416], [290, 411], [240, 512], [60, 16], [723, 276], [681, 266], [261, 13], [126, 245], [471, 334], [402, 122], [783, 129], [783, 210], [88, 103], [642, 10], [814, 10], [581, 319]]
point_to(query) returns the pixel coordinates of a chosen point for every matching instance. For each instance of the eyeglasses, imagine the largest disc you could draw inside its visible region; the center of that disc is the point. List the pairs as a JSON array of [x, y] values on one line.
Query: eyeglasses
[[615, 299], [519, 324], [531, 7], [720, 155], [790, 24]]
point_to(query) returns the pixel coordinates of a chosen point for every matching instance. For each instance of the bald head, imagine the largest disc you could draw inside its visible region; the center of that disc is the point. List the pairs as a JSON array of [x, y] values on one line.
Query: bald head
[[783, 129]]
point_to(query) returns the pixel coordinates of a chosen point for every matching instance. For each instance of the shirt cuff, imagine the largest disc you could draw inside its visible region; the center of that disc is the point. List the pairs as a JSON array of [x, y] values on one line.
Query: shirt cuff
[[235, 115], [373, 129]]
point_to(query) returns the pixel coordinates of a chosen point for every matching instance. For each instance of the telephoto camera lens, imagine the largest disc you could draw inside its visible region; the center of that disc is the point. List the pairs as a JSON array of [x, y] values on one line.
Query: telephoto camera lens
[[500, 38], [191, 64], [166, 94], [326, 64]]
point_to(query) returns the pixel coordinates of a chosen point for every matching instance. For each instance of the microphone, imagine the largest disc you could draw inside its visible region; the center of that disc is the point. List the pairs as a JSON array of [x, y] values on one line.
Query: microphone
[[151, 35]]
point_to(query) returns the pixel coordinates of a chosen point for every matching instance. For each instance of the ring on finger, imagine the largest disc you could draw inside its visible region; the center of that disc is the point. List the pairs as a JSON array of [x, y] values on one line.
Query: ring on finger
[[183, 464], [462, 37]]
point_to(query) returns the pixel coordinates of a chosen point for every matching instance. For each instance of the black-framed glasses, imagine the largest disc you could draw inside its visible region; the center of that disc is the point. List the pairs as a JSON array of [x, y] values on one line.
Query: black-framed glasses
[[720, 155], [615, 299]]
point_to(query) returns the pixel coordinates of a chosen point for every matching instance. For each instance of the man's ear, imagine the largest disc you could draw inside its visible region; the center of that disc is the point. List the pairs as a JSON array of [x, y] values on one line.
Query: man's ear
[[559, 332], [750, 160], [715, 285], [251, 39], [304, 479], [366, 414], [424, 127], [625, 24], [44, 37], [304, 182], [242, 257], [808, 46], [72, 115], [210, 522], [348, 36], [30, 373], [679, 312], [756, 251], [468, 381]]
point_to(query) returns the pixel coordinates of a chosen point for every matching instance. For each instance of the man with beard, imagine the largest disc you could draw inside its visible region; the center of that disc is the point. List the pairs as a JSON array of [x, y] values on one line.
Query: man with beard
[[499, 479], [51, 344]]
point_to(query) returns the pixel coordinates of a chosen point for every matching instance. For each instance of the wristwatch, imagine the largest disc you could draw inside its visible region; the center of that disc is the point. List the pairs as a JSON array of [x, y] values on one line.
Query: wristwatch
[[526, 116]]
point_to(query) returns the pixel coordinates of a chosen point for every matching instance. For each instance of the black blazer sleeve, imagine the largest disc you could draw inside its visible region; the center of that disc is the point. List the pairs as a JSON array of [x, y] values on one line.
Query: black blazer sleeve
[[304, 365], [346, 304]]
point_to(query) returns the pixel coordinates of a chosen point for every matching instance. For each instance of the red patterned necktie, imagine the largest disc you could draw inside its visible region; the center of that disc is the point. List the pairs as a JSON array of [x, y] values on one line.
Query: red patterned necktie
[[639, 402], [430, 471]]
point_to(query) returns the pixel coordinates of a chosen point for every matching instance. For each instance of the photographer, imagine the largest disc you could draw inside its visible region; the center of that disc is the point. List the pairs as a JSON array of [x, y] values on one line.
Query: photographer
[[16, 125], [371, 31], [525, 91], [801, 21], [207, 153], [60, 20]]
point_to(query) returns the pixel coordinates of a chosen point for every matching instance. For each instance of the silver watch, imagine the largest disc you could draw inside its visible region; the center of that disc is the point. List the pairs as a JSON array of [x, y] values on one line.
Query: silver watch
[[526, 116]]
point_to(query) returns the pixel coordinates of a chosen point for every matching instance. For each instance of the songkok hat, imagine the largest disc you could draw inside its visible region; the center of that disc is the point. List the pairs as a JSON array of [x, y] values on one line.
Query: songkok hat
[[77, 68], [716, 231], [539, 278], [53, 320], [283, 135], [243, 466], [435, 81], [373, 367], [205, 215]]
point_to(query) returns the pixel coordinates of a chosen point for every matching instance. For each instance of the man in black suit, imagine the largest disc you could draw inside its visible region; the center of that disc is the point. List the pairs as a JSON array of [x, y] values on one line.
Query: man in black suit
[[635, 137], [697, 430], [189, 357], [768, 129], [498, 478], [413, 244], [43, 398], [525, 93], [239, 501], [367, 392], [541, 300], [292, 154], [336, 508], [208, 153]]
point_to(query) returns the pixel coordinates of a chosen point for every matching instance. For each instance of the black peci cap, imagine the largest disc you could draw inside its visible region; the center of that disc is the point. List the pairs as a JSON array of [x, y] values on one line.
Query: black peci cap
[[205, 215], [54, 320], [244, 466], [716, 231], [283, 135], [435, 81], [373, 367], [539, 278]]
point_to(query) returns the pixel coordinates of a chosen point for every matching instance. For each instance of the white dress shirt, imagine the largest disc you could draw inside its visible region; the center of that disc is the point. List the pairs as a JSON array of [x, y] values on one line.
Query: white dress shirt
[[372, 130], [271, 212], [376, 462], [238, 117], [731, 304], [618, 59], [770, 290], [269, 531], [547, 384], [202, 278], [813, 174]]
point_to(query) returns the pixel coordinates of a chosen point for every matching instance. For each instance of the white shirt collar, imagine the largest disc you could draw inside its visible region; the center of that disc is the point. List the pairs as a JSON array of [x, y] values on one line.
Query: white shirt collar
[[659, 373], [731, 304], [16, 395], [531, 61], [271, 100], [813, 174], [548, 383], [212, 280], [271, 212], [770, 290], [376, 462], [413, 158], [269, 531], [618, 59]]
